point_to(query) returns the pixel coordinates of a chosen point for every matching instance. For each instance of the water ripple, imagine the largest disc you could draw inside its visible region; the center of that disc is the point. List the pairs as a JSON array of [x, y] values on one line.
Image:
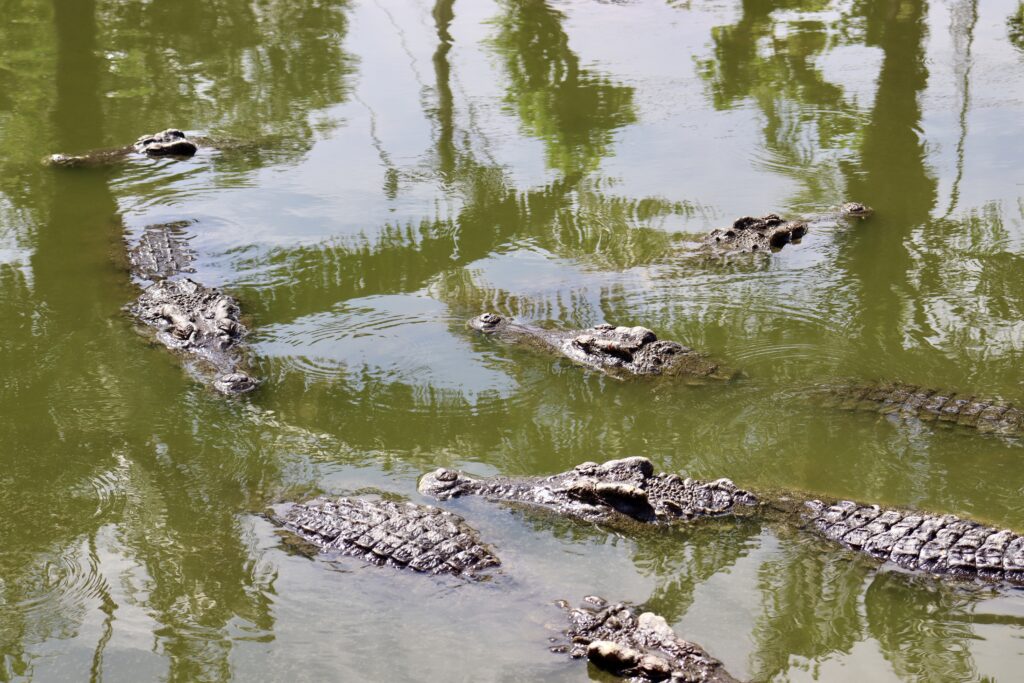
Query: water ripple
[[404, 339]]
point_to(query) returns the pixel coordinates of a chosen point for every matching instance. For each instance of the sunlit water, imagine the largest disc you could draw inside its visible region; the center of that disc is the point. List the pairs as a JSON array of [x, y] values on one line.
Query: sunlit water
[[392, 168]]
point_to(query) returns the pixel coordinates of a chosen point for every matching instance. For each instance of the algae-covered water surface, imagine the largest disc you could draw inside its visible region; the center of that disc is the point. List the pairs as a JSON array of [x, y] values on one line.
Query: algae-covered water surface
[[385, 170]]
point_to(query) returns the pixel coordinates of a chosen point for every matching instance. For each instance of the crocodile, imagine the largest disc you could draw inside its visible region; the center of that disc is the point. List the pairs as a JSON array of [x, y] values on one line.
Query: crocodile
[[616, 492], [937, 544], [638, 646], [629, 491], [162, 252], [616, 351], [983, 414], [384, 532], [772, 232], [170, 143], [201, 322]]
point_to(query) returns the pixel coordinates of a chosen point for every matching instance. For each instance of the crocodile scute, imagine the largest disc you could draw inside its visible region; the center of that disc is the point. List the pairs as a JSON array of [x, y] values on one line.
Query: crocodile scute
[[984, 414], [384, 532], [162, 252], [752, 234], [937, 544]]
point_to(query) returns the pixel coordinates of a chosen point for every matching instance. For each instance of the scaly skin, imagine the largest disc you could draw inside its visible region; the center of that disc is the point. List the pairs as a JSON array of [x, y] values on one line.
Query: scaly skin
[[171, 143], [201, 322], [616, 351], [382, 532], [629, 491], [939, 544], [162, 252], [636, 646], [983, 414], [771, 232], [617, 491]]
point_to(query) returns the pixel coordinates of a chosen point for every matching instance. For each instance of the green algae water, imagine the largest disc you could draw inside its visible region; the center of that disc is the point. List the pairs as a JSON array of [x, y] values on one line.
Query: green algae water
[[391, 168]]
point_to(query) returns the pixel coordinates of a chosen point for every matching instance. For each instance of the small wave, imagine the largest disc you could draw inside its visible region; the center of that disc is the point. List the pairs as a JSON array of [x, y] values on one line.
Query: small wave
[[67, 582], [109, 488], [402, 339]]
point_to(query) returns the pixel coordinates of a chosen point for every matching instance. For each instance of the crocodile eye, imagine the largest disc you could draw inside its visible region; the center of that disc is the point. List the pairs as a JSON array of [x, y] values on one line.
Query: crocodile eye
[[446, 475], [489, 318]]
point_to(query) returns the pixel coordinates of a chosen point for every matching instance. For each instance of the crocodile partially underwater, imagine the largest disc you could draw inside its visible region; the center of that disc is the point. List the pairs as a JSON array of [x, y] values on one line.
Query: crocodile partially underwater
[[772, 232], [638, 646], [629, 490], [618, 491], [162, 252], [983, 414], [384, 532], [201, 322], [617, 351], [171, 143], [938, 544]]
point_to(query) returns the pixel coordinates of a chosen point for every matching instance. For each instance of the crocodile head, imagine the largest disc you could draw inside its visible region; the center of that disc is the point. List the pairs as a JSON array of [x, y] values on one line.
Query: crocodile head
[[234, 383], [488, 323], [856, 210], [444, 483], [632, 644], [625, 488], [170, 142]]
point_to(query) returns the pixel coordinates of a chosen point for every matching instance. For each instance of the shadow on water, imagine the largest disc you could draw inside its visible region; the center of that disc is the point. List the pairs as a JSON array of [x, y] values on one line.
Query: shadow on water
[[112, 502], [891, 170]]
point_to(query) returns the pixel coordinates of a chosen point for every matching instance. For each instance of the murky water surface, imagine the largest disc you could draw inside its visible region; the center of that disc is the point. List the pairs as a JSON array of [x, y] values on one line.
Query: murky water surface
[[392, 168]]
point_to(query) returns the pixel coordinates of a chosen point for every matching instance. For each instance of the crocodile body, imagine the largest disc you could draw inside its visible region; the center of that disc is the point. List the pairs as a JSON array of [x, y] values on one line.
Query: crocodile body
[[162, 252], [629, 490], [984, 414], [383, 532], [201, 322], [616, 491], [617, 351], [937, 544], [171, 143], [638, 646], [771, 232]]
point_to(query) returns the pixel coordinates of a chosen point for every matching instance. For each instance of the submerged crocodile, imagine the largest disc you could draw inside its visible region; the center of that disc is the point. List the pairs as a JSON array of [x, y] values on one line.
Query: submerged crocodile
[[384, 532], [171, 143], [201, 322], [638, 646], [772, 232], [617, 351], [162, 252], [187, 316], [984, 414], [629, 490]]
